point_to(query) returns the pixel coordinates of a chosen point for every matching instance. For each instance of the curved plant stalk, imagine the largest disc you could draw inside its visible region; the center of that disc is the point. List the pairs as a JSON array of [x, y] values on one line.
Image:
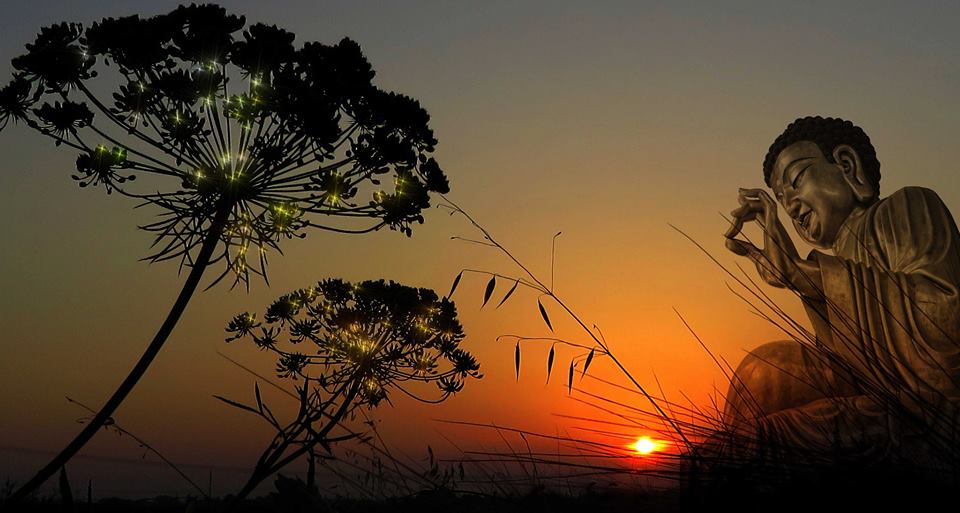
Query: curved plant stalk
[[103, 417], [533, 282], [274, 460], [307, 136], [365, 340], [143, 443]]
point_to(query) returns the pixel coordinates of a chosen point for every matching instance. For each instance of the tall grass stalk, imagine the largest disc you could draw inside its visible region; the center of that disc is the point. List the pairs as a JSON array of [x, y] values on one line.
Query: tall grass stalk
[[531, 281], [752, 457]]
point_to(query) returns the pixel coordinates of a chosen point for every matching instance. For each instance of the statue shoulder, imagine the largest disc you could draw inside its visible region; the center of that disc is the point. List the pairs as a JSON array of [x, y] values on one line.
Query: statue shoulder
[[911, 199], [900, 232]]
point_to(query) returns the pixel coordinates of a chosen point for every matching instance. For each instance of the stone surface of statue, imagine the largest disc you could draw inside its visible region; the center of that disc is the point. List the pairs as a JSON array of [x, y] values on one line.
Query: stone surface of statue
[[879, 379]]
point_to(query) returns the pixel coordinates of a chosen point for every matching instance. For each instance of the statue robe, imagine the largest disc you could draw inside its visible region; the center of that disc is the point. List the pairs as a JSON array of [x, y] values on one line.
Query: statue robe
[[886, 361]]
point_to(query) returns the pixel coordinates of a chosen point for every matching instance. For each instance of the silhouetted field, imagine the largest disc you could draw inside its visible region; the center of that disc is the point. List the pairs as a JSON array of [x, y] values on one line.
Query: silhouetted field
[[835, 490]]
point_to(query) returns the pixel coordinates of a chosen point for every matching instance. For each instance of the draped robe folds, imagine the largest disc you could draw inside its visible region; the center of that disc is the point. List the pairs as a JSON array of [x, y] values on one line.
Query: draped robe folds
[[884, 370]]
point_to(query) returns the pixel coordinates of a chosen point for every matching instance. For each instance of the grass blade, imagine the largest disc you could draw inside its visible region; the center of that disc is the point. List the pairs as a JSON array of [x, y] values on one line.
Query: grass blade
[[456, 281], [509, 293], [553, 352], [491, 285], [65, 493], [587, 364], [543, 313], [516, 360], [236, 404]]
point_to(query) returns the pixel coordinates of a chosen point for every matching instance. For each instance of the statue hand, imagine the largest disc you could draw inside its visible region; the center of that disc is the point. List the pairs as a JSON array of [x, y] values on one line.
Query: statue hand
[[778, 262]]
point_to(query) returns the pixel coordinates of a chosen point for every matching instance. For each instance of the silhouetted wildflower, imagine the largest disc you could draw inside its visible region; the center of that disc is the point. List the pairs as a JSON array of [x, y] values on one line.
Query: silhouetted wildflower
[[15, 100], [373, 332], [360, 342], [244, 142], [305, 137]]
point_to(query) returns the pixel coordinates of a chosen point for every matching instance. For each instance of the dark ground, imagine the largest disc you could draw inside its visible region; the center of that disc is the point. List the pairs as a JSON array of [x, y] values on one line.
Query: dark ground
[[831, 491]]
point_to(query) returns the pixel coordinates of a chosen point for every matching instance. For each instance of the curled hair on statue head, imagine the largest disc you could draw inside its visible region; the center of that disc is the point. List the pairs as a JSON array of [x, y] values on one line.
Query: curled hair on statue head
[[827, 134]]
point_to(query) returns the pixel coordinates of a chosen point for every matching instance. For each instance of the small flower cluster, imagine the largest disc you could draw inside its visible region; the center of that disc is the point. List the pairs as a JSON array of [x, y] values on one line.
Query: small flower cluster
[[375, 334]]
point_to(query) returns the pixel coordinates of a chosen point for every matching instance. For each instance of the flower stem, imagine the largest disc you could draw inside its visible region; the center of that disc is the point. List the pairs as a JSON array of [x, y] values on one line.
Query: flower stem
[[269, 466], [104, 415]]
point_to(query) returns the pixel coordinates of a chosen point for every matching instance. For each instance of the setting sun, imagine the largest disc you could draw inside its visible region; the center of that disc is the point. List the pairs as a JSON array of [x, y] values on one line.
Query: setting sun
[[645, 445]]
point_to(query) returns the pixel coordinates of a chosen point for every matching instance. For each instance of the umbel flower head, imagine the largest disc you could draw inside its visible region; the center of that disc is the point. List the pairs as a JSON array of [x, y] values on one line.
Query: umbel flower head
[[230, 130], [375, 335]]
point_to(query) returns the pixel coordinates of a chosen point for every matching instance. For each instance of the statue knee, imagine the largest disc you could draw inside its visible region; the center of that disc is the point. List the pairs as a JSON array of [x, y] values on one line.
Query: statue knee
[[773, 377]]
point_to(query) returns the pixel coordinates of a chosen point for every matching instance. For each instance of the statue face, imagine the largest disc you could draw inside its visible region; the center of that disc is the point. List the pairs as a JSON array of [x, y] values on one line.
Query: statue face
[[813, 192]]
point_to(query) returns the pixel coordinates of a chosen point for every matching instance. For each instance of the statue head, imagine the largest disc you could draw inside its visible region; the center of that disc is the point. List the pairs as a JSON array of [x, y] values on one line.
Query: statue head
[[821, 170]]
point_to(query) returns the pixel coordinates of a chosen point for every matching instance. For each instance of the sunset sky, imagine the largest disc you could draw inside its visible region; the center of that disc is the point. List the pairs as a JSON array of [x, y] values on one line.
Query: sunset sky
[[608, 121]]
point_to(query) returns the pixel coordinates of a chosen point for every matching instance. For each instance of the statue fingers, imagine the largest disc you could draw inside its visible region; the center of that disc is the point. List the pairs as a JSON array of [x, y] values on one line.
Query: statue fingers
[[761, 201], [744, 211], [767, 200], [753, 194], [743, 196], [768, 265], [751, 204], [740, 247], [754, 210], [735, 226], [740, 215]]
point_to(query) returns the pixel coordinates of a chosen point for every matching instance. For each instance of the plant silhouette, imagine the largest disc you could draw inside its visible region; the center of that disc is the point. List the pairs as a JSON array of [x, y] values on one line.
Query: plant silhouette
[[306, 137], [362, 341], [712, 460], [597, 346]]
